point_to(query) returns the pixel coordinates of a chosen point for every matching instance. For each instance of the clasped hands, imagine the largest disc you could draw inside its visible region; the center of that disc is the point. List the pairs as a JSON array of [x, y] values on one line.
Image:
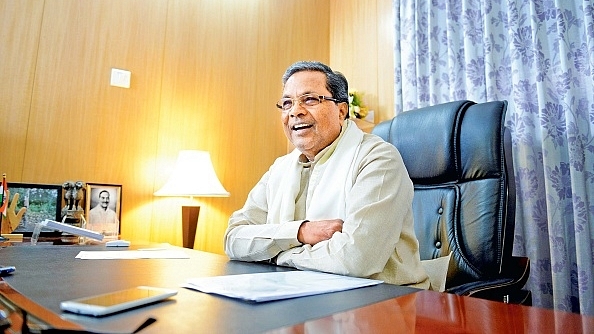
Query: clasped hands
[[312, 232]]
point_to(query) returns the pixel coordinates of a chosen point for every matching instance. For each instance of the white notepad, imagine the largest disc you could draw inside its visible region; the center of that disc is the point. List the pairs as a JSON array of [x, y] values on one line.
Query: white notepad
[[261, 287], [132, 254]]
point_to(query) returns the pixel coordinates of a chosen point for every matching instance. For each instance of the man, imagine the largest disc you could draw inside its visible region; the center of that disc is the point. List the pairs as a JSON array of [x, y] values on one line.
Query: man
[[341, 202], [103, 219]]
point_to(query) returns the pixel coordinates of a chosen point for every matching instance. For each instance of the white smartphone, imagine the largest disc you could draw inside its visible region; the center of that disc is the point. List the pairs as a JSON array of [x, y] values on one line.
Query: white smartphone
[[116, 301]]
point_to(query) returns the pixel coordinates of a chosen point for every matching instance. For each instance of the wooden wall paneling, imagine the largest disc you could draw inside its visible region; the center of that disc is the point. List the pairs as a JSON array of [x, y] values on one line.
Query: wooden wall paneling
[[81, 127], [360, 47], [354, 46], [220, 83], [20, 23], [385, 61]]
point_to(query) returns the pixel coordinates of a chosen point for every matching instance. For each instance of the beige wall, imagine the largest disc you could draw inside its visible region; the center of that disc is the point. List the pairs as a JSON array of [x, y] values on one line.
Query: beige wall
[[362, 47], [205, 75]]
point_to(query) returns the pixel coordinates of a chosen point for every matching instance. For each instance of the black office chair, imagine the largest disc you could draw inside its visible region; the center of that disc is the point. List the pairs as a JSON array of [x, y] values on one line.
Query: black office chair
[[458, 156]]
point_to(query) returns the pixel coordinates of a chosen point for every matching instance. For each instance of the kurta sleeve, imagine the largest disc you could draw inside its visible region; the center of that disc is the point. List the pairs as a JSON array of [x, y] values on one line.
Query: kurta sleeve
[[249, 238]]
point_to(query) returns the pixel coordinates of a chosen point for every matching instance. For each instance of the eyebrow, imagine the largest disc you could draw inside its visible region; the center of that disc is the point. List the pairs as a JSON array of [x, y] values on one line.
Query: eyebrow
[[307, 92]]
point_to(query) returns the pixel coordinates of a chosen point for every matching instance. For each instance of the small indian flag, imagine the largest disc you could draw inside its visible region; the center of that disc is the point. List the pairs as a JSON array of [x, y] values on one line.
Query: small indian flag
[[3, 195]]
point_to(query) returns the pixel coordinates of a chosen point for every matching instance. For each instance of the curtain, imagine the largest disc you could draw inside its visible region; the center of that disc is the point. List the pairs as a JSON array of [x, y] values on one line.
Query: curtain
[[539, 56]]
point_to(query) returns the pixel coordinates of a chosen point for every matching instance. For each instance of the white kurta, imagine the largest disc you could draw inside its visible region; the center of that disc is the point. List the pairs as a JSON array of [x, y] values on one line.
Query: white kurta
[[360, 179]]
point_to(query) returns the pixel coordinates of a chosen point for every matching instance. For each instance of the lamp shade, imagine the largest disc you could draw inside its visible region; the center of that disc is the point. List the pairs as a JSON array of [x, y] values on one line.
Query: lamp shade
[[193, 175]]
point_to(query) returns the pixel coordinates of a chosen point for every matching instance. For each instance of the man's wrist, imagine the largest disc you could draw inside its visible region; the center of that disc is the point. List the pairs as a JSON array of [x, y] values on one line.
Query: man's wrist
[[299, 234]]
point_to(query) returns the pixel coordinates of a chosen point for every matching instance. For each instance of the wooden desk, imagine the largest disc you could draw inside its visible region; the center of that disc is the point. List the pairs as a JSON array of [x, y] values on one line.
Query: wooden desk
[[434, 312], [48, 274]]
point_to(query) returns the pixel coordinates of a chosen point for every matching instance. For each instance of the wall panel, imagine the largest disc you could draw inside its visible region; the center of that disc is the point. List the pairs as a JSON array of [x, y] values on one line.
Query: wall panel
[[385, 58], [361, 46], [20, 23]]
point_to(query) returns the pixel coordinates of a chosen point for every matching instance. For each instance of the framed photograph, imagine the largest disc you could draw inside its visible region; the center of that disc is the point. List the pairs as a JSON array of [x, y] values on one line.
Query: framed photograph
[[43, 201], [103, 209]]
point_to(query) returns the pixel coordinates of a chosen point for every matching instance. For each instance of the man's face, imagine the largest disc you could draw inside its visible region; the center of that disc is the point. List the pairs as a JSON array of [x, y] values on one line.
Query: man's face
[[318, 126], [104, 199]]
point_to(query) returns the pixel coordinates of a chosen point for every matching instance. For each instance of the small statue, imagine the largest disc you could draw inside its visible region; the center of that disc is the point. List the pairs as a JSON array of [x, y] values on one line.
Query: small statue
[[73, 194]]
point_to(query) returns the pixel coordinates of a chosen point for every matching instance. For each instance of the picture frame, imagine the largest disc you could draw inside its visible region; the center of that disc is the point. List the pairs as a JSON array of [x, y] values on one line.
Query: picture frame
[[103, 205], [43, 201]]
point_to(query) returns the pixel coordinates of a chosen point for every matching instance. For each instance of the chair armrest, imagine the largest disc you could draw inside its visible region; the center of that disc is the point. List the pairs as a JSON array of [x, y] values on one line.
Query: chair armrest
[[517, 268], [506, 288]]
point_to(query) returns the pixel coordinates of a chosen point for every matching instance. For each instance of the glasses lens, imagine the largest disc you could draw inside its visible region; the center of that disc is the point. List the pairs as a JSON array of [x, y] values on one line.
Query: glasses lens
[[310, 100], [307, 100], [285, 104]]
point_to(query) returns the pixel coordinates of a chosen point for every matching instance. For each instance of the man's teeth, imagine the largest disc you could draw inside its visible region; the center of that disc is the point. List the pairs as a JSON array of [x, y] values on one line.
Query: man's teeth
[[300, 126]]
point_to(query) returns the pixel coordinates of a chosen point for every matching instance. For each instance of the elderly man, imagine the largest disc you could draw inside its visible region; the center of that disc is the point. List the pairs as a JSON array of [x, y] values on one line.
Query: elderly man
[[341, 202]]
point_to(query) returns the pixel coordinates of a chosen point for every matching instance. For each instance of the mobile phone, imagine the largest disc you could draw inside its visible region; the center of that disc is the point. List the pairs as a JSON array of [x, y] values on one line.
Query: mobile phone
[[5, 270], [116, 301]]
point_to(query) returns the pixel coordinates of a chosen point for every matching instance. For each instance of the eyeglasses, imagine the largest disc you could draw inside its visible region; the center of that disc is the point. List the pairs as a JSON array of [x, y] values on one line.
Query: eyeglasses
[[308, 100]]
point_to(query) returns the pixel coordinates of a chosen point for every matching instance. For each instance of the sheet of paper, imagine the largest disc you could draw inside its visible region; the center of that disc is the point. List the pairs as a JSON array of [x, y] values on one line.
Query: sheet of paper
[[133, 254], [262, 287]]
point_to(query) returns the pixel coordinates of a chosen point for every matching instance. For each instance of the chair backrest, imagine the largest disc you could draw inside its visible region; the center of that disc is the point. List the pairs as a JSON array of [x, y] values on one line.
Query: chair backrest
[[458, 156]]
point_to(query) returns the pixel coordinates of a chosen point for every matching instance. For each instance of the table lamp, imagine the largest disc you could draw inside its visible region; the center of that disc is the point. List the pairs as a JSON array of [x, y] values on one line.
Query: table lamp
[[192, 176]]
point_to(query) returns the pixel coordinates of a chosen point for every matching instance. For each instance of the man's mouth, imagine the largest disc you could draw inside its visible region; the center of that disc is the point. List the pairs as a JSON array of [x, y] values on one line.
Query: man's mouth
[[298, 127]]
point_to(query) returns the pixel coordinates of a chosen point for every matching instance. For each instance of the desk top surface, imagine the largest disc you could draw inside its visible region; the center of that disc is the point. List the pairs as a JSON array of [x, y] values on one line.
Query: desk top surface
[[48, 274], [431, 312]]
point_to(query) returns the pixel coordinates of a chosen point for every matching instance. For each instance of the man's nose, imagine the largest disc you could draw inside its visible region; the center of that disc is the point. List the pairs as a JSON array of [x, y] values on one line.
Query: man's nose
[[297, 109]]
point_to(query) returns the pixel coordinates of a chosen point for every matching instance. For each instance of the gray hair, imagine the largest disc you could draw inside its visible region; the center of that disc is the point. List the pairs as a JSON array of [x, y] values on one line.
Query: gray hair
[[336, 83]]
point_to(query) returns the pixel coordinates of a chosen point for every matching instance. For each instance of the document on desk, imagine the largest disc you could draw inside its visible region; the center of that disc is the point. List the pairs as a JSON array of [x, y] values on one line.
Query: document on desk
[[132, 254], [261, 287]]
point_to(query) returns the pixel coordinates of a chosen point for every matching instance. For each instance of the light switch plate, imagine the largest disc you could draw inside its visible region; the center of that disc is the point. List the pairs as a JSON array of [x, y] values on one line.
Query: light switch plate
[[120, 78]]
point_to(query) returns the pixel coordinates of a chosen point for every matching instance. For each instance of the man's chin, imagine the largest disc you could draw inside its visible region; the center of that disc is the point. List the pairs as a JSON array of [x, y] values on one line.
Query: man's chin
[[301, 145], [301, 138]]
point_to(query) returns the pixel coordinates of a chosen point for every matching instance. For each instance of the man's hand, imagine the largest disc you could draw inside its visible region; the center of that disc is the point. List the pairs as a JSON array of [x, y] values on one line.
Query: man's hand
[[312, 232]]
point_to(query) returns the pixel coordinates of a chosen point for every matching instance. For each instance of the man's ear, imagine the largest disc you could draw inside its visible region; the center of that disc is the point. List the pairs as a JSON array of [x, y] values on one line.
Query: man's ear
[[343, 110]]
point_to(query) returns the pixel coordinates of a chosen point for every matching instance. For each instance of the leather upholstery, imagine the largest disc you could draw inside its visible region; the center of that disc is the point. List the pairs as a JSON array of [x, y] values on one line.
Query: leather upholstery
[[458, 155]]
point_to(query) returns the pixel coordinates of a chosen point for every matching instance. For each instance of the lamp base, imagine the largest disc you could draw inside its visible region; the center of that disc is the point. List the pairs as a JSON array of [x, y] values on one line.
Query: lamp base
[[189, 224]]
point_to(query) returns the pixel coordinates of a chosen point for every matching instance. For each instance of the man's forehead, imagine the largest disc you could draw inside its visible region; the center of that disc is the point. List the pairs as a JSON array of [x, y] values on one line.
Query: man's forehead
[[305, 82]]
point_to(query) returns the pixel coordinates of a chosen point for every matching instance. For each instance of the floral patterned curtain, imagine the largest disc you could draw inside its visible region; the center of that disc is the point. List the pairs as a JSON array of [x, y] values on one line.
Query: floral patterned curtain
[[539, 56]]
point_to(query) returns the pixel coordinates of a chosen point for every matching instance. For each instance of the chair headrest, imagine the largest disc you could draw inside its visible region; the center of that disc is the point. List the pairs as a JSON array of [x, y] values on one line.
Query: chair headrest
[[448, 142], [427, 140]]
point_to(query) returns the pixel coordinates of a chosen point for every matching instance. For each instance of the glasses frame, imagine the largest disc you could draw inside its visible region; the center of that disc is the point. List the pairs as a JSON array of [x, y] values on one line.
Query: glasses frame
[[299, 100]]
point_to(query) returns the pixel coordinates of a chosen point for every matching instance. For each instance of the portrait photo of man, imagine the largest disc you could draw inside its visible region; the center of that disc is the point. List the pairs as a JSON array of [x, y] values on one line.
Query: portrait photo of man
[[103, 215]]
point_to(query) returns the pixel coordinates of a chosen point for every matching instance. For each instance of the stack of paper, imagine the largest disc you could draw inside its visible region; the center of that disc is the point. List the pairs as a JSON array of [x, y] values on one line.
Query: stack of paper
[[262, 287]]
